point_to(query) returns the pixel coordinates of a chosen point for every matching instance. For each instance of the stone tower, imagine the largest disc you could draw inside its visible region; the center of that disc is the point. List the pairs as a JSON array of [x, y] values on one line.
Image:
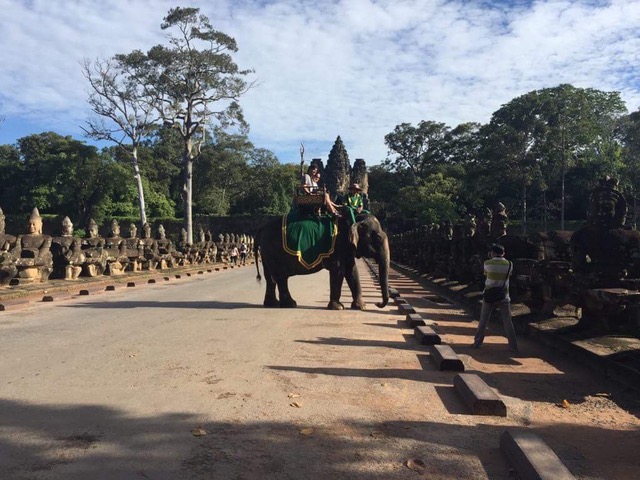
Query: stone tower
[[359, 174], [338, 171]]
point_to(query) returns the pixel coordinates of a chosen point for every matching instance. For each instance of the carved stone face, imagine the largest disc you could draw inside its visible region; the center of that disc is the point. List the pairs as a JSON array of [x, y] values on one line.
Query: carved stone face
[[161, 233], [67, 227], [93, 231], [115, 230], [34, 227], [133, 230], [2, 224], [606, 208]]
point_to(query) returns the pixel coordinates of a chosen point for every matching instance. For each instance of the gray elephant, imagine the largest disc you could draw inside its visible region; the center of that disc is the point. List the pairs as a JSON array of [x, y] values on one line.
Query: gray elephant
[[365, 238]]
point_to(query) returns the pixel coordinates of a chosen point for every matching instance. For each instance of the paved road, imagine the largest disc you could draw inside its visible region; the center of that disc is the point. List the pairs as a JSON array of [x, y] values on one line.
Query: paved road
[[114, 386]]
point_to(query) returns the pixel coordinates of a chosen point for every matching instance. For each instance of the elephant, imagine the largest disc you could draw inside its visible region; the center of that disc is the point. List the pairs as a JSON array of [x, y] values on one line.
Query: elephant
[[365, 238]]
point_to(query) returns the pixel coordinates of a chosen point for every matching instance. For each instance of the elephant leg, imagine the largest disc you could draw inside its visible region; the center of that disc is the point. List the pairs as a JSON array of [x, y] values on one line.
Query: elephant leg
[[353, 280], [286, 301], [270, 297], [336, 275]]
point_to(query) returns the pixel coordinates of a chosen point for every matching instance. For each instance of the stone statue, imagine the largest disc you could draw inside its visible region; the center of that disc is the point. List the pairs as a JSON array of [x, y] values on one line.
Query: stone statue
[[166, 249], [499, 221], [66, 253], [183, 252], [134, 249], [605, 258], [33, 252], [93, 247], [149, 248], [8, 268], [115, 246]]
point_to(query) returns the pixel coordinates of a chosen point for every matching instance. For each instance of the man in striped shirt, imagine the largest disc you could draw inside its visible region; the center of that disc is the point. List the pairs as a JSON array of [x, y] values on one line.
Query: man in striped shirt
[[497, 271]]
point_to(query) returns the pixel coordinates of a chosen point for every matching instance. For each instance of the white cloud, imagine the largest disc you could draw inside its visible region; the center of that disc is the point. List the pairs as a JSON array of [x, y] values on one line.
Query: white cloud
[[354, 68]]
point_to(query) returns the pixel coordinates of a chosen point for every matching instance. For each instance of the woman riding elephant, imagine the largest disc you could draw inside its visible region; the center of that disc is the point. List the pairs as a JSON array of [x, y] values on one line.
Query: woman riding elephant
[[365, 238]]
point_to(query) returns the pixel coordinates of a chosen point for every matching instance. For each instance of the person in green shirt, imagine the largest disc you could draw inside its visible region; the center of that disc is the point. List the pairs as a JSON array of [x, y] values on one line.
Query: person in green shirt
[[353, 204]]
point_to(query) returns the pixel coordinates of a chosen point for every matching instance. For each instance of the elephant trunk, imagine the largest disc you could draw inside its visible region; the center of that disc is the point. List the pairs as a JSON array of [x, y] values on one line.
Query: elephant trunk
[[383, 272]]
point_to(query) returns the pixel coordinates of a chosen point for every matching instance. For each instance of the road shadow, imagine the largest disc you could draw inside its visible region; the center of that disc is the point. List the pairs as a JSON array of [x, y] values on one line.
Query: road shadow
[[158, 304], [205, 305], [101, 442], [353, 342]]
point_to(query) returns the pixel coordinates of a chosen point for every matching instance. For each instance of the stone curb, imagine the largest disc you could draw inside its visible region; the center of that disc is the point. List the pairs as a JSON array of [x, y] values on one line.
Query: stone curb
[[479, 398], [531, 457], [446, 359]]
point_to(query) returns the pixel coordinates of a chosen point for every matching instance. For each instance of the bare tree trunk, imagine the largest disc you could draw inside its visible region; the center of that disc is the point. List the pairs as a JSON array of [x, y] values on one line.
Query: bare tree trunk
[[187, 190], [635, 211], [138, 177], [562, 197], [544, 210], [524, 208]]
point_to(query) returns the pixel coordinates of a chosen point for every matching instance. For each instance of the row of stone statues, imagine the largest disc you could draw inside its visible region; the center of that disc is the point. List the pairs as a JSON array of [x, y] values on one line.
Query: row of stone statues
[[596, 268], [35, 257]]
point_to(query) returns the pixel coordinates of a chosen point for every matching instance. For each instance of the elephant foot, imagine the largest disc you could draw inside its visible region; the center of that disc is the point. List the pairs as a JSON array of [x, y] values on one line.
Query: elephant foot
[[271, 303], [335, 305], [358, 305], [291, 303]]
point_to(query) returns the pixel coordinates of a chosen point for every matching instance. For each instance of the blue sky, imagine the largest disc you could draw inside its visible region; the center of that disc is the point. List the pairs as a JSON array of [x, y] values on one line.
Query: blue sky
[[354, 68]]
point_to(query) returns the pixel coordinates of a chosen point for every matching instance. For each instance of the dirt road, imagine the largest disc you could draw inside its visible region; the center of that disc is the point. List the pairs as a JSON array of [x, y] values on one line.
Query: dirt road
[[193, 379]]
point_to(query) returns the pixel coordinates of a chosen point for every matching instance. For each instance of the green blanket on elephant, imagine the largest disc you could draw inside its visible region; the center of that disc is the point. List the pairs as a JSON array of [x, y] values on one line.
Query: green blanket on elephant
[[310, 238]]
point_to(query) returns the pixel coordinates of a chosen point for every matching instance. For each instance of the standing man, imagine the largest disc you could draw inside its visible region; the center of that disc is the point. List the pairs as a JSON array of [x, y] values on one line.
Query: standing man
[[243, 253], [497, 271]]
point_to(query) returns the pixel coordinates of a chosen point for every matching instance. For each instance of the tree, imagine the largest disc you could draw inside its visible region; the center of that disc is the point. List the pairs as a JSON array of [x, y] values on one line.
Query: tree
[[119, 94], [194, 81], [511, 142], [430, 201], [579, 127], [629, 131], [62, 175], [417, 148]]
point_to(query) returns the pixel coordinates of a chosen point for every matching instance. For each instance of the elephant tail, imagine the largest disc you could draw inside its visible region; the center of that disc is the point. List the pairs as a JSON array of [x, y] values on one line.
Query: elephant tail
[[256, 256]]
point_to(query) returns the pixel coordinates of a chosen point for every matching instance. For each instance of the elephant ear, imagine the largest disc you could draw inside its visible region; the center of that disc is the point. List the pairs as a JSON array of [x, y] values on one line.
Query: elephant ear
[[354, 236]]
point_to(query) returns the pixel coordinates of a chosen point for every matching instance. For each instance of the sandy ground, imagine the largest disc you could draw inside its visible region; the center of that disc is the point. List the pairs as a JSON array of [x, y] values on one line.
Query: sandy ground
[[193, 379]]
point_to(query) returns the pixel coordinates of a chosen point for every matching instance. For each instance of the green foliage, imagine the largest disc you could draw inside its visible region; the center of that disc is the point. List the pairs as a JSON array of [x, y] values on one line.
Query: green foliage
[[430, 201]]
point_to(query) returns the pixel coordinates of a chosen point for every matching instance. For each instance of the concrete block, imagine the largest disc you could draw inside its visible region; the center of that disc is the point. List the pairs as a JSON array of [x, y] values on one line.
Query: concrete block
[[393, 293], [47, 298], [399, 300], [531, 457], [178, 276], [479, 397], [151, 280], [217, 269], [83, 292], [131, 284], [427, 336], [110, 288], [166, 279], [405, 308], [446, 359], [200, 272], [414, 320], [188, 274]]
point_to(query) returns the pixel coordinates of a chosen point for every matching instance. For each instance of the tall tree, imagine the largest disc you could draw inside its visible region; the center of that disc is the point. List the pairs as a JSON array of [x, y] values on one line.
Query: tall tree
[[580, 125], [511, 141], [629, 131], [417, 148], [195, 82], [121, 102]]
